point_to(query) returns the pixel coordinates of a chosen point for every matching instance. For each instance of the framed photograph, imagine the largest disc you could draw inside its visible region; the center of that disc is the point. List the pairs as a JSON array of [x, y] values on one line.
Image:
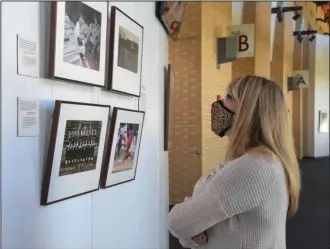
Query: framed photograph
[[125, 54], [323, 121], [170, 14], [78, 37], [122, 149], [169, 104], [75, 151]]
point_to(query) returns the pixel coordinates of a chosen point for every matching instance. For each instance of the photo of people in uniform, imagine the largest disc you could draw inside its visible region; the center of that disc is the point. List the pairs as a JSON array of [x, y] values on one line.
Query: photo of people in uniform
[[125, 147], [82, 35], [80, 147]]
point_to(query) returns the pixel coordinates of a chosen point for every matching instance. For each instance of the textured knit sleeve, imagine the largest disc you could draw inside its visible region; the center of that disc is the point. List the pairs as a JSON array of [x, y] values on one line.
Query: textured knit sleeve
[[240, 187], [187, 242]]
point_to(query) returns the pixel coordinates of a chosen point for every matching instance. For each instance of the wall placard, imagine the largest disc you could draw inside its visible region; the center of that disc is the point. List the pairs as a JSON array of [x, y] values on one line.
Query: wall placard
[[27, 117], [245, 41], [27, 57]]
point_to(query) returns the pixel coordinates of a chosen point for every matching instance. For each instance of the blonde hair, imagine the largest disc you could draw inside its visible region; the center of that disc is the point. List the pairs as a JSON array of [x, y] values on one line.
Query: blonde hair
[[261, 120]]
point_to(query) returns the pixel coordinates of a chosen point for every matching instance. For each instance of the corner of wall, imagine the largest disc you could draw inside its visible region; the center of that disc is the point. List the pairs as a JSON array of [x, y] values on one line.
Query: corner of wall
[[185, 57]]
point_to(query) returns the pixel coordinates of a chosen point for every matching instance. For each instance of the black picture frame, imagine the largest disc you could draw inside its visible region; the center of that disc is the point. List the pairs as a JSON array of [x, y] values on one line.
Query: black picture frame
[[122, 71], [118, 117], [82, 167], [79, 58]]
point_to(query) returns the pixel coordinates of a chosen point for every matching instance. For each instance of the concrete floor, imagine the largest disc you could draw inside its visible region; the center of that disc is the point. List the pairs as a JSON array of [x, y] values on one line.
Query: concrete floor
[[309, 229]]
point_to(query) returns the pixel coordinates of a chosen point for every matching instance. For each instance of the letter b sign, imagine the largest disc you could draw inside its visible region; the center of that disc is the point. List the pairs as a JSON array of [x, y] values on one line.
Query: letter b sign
[[245, 39], [243, 43]]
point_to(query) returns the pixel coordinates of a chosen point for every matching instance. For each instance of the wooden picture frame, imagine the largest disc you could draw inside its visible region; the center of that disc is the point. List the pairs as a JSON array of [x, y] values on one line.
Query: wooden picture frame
[[75, 150], [122, 148], [125, 54], [78, 42], [169, 105]]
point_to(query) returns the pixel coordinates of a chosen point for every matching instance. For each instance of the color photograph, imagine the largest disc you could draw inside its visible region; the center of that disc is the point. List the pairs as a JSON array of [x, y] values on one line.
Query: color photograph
[[170, 14], [80, 147], [125, 147], [82, 34], [121, 157]]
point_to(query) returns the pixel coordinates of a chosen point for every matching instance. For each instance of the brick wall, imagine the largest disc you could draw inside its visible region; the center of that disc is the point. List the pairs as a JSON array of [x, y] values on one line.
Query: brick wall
[[288, 59], [301, 62], [185, 57], [260, 63], [245, 66], [297, 96], [276, 65], [281, 65], [216, 17], [196, 150]]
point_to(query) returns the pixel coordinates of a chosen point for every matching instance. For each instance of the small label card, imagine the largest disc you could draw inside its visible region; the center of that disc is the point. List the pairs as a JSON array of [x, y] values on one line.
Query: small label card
[[27, 117], [27, 57]]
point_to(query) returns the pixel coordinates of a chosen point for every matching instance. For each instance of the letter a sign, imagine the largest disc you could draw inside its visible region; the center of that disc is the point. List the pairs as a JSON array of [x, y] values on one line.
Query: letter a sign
[[245, 39], [302, 78]]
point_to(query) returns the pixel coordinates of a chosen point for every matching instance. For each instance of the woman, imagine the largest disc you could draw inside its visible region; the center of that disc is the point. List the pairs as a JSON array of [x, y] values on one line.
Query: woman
[[244, 203]]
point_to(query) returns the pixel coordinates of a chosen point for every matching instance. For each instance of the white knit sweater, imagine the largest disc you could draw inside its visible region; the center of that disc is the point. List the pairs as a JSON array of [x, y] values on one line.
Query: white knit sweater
[[241, 205]]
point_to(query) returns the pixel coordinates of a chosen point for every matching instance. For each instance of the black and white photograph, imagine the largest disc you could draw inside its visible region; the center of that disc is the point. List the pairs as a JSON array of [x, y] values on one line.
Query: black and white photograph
[[80, 147], [125, 54], [122, 147], [78, 42], [128, 50], [82, 34], [75, 150]]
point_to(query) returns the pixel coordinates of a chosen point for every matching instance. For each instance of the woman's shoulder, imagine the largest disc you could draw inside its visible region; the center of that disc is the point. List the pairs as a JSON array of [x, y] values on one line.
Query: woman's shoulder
[[256, 161], [257, 154], [262, 152]]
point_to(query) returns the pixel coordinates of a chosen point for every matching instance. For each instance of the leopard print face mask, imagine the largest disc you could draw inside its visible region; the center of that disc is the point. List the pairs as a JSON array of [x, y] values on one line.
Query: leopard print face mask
[[221, 118]]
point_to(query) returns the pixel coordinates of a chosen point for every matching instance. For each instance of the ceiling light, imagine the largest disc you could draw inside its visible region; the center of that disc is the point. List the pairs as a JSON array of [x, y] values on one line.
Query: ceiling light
[[296, 16], [279, 14], [312, 38]]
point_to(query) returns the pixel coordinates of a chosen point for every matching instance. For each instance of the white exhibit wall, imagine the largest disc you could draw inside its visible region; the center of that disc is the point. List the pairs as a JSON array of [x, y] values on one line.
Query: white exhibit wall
[[317, 144], [131, 215], [321, 95], [0, 125]]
